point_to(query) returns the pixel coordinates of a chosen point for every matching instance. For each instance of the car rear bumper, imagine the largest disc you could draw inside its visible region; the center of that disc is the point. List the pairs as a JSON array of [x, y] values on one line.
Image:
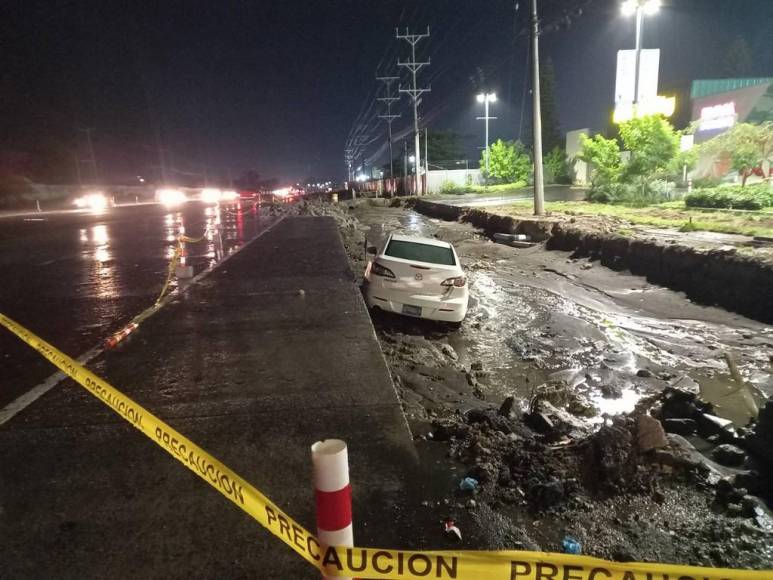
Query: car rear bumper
[[447, 309]]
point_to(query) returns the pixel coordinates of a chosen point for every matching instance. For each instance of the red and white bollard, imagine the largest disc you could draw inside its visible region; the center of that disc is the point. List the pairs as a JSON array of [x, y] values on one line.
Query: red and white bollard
[[333, 493]]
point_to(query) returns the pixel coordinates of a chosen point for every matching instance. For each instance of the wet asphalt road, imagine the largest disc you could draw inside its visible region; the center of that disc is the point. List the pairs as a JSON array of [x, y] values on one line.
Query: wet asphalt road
[[270, 353], [74, 278]]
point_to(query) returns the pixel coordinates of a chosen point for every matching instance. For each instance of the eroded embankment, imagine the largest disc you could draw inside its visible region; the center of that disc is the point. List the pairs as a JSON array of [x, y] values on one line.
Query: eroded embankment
[[714, 277]]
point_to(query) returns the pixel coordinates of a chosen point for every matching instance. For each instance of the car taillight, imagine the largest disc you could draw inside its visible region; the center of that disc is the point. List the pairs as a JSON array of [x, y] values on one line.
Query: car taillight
[[457, 282], [379, 270]]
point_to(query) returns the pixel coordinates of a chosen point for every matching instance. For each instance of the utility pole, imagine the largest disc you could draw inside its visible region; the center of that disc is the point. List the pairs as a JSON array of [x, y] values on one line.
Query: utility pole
[[414, 92], [539, 185], [426, 154], [389, 117], [405, 160]]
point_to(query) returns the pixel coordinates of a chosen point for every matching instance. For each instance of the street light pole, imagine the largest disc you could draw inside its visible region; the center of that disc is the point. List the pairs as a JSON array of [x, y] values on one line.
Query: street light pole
[[639, 8], [486, 98], [639, 22]]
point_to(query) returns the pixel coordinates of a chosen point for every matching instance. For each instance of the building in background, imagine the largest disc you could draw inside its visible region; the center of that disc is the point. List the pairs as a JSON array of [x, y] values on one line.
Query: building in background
[[718, 104], [580, 171]]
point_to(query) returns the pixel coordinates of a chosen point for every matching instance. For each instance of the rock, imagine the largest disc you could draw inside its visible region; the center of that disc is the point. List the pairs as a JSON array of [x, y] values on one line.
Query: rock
[[449, 351], [476, 416], [681, 426], [586, 266], [650, 434], [546, 495], [471, 504], [506, 409], [505, 476], [710, 425], [539, 422], [644, 373], [750, 505], [610, 391], [729, 455], [683, 452]]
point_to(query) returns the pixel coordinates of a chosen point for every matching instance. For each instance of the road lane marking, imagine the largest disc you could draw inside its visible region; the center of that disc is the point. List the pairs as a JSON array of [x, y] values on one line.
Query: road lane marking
[[26, 399]]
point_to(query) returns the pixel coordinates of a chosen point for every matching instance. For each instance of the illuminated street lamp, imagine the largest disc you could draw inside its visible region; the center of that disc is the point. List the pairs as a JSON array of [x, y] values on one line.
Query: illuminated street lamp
[[640, 8], [486, 98]]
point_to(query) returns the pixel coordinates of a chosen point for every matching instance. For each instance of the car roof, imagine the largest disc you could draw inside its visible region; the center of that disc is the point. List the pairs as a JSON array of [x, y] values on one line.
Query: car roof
[[419, 240]]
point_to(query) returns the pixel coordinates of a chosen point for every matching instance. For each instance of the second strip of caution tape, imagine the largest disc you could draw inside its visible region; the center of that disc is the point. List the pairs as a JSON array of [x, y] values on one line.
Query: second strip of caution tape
[[364, 562]]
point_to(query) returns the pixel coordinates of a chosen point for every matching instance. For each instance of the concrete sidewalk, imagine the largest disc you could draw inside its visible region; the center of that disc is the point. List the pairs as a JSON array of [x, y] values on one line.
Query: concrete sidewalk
[[265, 356]]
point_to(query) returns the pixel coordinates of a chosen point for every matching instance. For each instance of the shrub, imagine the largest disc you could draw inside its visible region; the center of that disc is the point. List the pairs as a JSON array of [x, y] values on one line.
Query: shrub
[[451, 188], [557, 167], [508, 162], [656, 192], [753, 197], [706, 182]]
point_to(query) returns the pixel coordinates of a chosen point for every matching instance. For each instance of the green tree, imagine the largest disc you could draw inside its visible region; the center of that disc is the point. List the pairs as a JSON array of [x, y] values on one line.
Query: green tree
[[551, 128], [748, 146], [653, 144], [508, 162], [603, 156], [557, 166]]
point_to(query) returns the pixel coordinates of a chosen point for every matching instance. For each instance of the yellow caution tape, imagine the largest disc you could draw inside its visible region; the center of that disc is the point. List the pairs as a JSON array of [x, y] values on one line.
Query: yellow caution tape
[[181, 239], [365, 562], [233, 487]]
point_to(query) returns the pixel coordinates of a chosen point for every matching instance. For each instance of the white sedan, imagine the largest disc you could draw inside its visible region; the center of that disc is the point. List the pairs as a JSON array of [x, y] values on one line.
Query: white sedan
[[419, 277]]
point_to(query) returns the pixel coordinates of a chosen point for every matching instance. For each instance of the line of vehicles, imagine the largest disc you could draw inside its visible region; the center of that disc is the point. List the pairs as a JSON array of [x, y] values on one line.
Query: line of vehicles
[[98, 200]]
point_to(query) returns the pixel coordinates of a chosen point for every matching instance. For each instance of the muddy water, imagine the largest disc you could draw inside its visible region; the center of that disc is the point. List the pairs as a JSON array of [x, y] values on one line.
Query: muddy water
[[537, 316]]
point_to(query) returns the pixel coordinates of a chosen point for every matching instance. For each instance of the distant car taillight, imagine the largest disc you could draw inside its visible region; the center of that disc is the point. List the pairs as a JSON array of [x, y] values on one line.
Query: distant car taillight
[[457, 282], [379, 270]]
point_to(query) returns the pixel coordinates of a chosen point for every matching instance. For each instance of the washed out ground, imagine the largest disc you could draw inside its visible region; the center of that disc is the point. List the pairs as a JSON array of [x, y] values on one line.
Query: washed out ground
[[591, 351]]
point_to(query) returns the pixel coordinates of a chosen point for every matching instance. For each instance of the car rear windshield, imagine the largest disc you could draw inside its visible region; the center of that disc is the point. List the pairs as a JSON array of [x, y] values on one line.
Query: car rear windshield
[[421, 252]]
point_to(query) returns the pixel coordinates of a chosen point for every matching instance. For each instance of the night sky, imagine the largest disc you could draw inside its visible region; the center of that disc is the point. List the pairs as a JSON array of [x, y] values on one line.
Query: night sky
[[279, 86]]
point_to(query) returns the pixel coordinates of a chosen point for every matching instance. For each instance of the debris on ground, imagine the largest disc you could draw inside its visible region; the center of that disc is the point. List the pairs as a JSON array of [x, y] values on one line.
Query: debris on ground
[[545, 466]]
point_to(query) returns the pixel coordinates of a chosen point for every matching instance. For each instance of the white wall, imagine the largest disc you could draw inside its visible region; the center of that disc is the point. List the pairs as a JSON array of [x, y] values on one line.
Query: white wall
[[581, 172], [460, 177]]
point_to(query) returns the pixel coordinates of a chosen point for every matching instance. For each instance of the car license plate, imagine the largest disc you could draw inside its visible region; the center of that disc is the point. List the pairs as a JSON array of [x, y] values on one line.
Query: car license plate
[[411, 310]]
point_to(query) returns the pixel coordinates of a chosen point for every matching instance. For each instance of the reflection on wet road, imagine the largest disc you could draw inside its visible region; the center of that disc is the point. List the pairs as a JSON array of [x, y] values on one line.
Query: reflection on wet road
[[74, 278]]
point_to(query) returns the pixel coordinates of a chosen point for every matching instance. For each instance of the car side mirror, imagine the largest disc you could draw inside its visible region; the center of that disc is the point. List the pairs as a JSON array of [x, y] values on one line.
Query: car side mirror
[[371, 250]]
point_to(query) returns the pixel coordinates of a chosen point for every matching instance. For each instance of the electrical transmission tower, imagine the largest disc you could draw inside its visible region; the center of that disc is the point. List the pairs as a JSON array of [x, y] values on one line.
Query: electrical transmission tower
[[389, 117], [348, 158], [414, 92]]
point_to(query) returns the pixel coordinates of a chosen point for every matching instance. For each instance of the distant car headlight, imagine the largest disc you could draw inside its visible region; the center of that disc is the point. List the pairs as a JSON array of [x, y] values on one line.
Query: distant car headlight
[[229, 195], [95, 201], [171, 197], [211, 195]]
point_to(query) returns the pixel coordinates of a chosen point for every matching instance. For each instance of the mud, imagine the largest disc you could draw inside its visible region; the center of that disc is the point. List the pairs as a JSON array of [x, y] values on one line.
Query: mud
[[719, 276], [540, 396]]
